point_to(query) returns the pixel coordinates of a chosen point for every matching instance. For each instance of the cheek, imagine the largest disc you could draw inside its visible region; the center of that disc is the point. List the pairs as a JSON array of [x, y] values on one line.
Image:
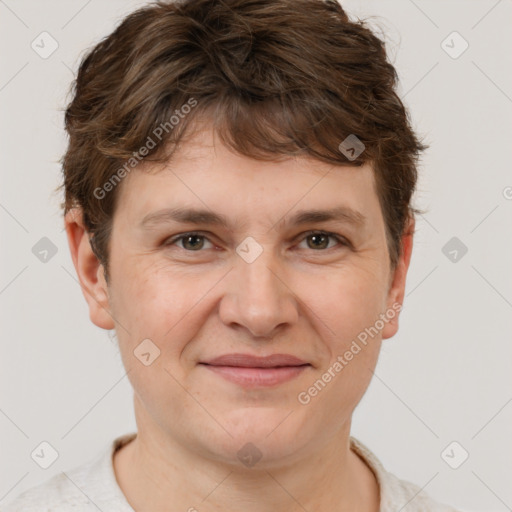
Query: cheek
[[348, 308], [151, 304], [346, 303], [157, 304]]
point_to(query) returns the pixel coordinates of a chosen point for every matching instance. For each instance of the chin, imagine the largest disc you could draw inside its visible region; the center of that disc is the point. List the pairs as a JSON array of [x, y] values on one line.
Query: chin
[[262, 437]]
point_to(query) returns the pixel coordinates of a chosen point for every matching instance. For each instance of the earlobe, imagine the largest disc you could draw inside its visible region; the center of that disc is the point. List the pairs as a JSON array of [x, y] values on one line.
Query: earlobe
[[397, 287], [89, 270]]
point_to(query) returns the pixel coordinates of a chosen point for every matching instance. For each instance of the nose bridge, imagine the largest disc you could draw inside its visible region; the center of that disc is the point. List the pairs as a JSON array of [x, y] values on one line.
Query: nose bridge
[[259, 300], [257, 277]]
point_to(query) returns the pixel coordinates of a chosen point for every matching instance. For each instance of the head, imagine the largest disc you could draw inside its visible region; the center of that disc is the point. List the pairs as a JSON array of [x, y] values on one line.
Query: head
[[247, 111]]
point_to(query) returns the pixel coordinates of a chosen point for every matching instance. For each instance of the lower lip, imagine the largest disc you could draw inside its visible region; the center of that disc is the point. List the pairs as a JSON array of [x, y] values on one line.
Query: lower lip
[[257, 377]]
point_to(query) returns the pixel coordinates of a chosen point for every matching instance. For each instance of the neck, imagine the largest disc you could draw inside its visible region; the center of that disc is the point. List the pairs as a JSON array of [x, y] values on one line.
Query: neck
[[155, 471]]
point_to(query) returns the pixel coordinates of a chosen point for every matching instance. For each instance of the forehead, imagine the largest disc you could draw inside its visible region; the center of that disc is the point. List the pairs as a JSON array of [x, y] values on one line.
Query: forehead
[[205, 175]]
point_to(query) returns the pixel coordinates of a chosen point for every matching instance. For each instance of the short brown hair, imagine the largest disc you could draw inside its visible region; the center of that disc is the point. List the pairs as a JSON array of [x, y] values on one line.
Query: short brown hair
[[277, 77]]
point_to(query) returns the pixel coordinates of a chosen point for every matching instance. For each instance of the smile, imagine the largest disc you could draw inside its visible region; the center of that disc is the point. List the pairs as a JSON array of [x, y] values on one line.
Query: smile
[[254, 371]]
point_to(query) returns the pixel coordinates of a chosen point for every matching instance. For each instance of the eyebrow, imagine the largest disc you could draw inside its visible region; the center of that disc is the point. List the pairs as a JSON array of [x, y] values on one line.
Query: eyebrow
[[343, 214]]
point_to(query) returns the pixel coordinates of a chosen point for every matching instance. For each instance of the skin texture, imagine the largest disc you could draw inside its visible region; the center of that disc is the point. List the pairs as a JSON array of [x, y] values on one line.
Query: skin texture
[[194, 305]]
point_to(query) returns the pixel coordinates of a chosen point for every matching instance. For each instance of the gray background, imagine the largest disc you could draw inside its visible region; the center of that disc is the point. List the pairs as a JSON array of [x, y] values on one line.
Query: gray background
[[444, 377]]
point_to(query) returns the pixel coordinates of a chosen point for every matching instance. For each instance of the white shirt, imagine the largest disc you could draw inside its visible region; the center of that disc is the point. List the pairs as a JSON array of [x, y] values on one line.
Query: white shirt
[[93, 486]]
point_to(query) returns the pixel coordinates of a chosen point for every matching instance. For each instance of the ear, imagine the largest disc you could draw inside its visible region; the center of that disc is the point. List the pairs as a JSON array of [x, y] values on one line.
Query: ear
[[396, 291], [89, 270]]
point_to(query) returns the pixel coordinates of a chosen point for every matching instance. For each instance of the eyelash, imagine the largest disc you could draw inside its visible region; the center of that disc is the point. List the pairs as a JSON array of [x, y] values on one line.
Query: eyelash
[[342, 241]]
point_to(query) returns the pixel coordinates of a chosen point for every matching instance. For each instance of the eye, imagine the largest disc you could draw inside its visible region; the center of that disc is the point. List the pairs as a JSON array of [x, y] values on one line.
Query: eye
[[195, 241], [320, 240], [192, 242]]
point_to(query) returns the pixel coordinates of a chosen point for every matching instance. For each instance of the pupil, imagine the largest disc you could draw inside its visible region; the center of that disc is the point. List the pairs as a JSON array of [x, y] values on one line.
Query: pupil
[[192, 237], [316, 237]]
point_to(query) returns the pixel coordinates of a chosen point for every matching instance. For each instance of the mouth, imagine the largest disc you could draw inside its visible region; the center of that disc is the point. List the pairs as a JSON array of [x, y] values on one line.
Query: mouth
[[254, 371]]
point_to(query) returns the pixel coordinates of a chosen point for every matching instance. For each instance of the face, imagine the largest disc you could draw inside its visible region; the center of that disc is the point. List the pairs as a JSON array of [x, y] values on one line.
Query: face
[[272, 278]]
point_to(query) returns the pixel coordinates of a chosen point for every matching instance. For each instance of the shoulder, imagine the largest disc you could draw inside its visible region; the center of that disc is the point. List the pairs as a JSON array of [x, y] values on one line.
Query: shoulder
[[397, 494], [56, 494], [89, 487], [411, 497]]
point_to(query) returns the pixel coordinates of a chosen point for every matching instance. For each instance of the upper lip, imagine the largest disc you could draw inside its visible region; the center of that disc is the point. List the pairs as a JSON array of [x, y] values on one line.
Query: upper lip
[[250, 361]]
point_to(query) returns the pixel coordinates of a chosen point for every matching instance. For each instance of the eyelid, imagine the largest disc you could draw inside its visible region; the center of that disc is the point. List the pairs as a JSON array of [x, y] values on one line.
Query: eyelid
[[340, 239], [176, 238]]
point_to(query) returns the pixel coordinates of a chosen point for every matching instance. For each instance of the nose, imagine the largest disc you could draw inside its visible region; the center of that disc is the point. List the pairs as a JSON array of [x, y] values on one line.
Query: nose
[[258, 297]]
